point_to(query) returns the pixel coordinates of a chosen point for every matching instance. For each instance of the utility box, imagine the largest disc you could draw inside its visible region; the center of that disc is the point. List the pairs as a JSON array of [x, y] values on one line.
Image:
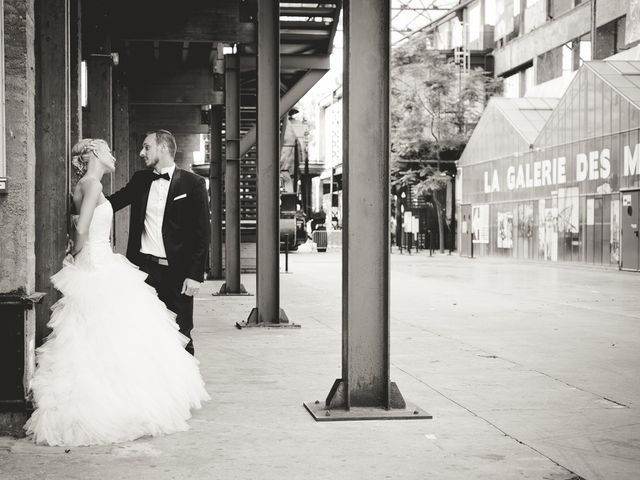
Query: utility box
[[17, 339]]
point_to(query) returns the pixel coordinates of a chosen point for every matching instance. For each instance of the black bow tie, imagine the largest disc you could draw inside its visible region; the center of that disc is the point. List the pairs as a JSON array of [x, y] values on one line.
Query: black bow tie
[[158, 176]]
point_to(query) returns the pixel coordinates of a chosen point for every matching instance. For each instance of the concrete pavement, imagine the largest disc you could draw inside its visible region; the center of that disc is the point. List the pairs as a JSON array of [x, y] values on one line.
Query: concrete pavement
[[531, 371]]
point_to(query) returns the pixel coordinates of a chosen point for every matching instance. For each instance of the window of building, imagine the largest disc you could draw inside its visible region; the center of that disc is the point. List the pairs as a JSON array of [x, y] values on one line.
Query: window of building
[[581, 50], [529, 80], [550, 65], [490, 12], [84, 94], [512, 86], [621, 31], [475, 27], [610, 38], [558, 7], [3, 153]]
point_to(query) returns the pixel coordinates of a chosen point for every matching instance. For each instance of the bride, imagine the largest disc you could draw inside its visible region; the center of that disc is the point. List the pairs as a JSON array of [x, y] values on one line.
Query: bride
[[114, 367]]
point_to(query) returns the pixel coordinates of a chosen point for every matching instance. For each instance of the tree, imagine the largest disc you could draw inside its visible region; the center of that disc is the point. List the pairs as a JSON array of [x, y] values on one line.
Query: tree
[[434, 107]]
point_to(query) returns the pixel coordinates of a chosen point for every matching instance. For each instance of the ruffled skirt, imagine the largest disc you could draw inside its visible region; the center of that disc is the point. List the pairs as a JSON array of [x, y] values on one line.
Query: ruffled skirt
[[114, 367]]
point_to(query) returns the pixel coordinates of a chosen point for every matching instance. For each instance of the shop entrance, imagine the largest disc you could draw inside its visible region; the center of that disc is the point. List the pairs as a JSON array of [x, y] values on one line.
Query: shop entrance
[[466, 232], [630, 221]]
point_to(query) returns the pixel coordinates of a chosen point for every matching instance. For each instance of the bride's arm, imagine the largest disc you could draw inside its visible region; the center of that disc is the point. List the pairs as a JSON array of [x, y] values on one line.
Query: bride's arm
[[91, 190]]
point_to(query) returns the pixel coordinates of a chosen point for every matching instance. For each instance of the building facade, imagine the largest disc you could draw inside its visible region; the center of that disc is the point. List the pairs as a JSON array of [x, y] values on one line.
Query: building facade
[[558, 180]]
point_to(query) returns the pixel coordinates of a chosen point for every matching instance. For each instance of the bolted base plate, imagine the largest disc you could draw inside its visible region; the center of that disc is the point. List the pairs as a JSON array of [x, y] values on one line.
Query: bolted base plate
[[253, 321], [321, 413], [223, 292]]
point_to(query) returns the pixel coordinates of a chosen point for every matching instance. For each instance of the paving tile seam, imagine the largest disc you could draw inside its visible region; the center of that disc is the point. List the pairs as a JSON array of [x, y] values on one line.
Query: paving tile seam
[[490, 423], [493, 356]]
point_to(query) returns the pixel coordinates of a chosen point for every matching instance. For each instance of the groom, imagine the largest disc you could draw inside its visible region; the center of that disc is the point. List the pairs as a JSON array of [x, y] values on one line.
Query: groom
[[168, 226]]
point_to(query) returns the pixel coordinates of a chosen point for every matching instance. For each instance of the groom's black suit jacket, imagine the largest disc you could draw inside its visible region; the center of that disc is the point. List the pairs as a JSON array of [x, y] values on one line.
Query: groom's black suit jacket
[[185, 225]]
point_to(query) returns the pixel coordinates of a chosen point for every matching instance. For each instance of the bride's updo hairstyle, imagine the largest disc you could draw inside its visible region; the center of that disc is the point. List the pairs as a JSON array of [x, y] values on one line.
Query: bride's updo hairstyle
[[80, 154]]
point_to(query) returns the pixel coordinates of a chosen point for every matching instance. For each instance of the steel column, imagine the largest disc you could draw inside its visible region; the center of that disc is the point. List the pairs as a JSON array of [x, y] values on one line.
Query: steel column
[[267, 311], [365, 378], [215, 191], [232, 177]]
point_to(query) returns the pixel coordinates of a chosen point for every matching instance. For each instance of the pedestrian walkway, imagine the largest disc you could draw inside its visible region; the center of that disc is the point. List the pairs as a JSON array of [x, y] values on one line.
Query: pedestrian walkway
[[530, 372]]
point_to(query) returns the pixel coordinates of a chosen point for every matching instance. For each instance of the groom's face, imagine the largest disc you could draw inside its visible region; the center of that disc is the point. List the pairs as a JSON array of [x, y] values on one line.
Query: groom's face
[[150, 152]]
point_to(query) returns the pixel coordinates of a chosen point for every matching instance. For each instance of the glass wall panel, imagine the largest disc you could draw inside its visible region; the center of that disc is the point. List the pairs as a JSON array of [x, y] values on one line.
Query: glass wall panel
[[597, 106], [583, 232], [575, 110], [589, 104], [615, 113], [634, 115], [624, 115], [606, 110], [606, 229]]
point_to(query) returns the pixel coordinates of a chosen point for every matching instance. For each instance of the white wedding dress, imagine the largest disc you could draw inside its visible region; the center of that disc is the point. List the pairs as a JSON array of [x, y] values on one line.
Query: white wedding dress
[[114, 367]]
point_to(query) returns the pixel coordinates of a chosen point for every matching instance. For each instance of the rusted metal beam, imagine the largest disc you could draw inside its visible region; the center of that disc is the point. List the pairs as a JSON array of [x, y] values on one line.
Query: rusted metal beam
[[175, 118], [232, 285], [365, 390], [267, 311], [288, 100], [161, 86], [291, 62]]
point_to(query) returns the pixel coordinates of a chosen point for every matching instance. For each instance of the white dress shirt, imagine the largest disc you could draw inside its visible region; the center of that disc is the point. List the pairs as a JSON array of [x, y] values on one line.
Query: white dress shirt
[[151, 242]]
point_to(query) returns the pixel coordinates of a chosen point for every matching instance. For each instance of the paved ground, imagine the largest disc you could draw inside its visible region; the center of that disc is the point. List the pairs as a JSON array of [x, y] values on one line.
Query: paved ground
[[530, 371]]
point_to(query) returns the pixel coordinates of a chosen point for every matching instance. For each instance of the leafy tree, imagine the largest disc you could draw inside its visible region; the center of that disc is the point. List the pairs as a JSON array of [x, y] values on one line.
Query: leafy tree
[[434, 107]]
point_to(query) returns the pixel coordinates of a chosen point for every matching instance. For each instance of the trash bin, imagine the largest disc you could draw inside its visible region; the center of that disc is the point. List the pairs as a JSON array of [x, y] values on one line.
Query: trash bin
[[320, 238]]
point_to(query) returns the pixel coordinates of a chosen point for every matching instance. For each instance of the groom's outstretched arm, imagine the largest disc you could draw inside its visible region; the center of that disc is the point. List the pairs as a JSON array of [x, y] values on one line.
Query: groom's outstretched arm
[[123, 197], [201, 232]]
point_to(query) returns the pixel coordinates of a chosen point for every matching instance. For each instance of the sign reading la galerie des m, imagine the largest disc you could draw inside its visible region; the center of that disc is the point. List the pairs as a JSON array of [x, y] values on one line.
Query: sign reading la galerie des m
[[530, 172]]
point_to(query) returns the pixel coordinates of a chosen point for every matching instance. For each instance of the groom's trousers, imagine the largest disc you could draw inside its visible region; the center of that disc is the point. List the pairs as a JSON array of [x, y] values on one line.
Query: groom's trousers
[[169, 288]]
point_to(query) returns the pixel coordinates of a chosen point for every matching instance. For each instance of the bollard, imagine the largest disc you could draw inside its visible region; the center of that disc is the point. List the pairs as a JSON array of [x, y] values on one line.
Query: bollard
[[286, 253]]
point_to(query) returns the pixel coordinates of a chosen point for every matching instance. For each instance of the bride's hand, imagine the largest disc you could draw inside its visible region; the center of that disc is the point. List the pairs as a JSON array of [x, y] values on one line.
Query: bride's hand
[[68, 260]]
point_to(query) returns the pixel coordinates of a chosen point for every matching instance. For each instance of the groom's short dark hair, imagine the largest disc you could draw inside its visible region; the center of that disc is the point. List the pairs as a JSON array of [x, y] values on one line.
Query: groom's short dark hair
[[166, 137]]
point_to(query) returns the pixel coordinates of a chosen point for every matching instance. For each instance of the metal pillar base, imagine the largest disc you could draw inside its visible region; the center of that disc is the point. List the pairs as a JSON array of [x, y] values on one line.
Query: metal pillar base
[[254, 321], [223, 292], [335, 408]]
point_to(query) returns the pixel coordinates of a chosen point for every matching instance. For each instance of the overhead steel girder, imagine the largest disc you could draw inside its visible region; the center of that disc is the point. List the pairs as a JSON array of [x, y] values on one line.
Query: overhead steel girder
[[290, 62], [287, 101]]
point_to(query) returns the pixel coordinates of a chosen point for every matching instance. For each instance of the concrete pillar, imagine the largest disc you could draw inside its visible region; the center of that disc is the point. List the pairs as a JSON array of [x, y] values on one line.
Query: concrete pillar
[[17, 213], [232, 283], [215, 191], [53, 139], [365, 381]]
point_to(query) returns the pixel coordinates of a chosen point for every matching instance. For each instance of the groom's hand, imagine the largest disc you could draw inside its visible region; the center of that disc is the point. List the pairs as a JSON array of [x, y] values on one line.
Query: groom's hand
[[190, 287]]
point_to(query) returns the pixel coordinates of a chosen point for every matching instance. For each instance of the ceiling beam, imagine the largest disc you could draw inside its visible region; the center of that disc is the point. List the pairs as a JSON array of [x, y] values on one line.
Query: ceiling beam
[[287, 101], [159, 86], [175, 118], [291, 62]]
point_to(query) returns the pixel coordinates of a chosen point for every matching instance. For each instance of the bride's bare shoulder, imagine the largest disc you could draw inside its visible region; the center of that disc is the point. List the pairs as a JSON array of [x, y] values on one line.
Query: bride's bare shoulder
[[85, 188]]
